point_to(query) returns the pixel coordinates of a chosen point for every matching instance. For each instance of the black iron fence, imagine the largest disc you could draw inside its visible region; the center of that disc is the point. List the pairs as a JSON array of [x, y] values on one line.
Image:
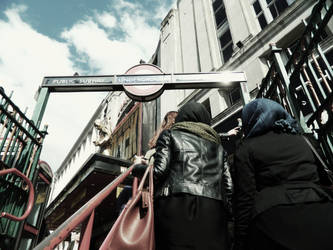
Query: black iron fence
[[303, 82], [20, 148]]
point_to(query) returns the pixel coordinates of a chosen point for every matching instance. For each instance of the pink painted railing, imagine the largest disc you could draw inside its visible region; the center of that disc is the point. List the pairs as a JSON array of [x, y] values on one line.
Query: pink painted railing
[[88, 210], [31, 195]]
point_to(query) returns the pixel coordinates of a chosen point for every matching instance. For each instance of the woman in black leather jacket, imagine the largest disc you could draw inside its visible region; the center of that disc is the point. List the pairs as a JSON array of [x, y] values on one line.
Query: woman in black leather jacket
[[191, 183]]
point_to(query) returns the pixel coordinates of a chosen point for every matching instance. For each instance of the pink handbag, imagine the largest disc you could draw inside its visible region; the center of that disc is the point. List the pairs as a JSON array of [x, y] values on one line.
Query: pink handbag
[[134, 228]]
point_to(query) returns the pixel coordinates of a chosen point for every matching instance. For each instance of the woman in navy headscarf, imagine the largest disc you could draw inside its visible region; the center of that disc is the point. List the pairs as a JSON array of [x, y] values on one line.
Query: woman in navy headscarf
[[278, 204]]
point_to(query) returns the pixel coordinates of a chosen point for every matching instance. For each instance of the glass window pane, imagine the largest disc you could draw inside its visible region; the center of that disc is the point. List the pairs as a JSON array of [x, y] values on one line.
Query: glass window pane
[[281, 5], [227, 52], [220, 17], [257, 7], [262, 21], [273, 11], [225, 38]]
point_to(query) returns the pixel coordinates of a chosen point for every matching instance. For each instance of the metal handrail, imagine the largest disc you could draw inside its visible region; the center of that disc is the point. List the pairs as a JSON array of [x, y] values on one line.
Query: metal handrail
[[31, 195], [81, 215]]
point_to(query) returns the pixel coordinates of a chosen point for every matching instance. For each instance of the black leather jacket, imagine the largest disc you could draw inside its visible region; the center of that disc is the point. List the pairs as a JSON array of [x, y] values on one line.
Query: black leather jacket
[[186, 163]]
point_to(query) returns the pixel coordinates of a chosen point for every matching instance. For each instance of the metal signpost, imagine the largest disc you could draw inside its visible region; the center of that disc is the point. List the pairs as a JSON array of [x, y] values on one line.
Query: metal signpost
[[143, 82]]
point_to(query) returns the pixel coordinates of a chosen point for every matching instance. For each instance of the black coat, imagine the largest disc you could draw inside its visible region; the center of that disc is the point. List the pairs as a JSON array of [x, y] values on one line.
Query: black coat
[[271, 170]]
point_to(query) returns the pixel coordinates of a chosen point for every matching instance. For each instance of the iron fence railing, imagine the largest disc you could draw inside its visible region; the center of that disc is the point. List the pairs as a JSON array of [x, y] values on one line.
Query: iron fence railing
[[303, 85], [20, 148]]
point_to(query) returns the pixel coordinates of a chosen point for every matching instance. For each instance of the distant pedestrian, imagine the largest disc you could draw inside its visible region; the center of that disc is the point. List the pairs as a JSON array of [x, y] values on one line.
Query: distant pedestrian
[[168, 121]]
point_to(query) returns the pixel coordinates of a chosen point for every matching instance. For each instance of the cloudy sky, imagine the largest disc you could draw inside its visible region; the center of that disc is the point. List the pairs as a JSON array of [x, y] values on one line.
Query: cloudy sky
[[57, 38]]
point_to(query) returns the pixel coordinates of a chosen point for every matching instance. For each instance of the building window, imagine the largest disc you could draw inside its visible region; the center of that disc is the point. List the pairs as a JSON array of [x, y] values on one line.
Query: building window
[[234, 96], [220, 15], [260, 14], [223, 31], [226, 45], [118, 151], [267, 10], [276, 7]]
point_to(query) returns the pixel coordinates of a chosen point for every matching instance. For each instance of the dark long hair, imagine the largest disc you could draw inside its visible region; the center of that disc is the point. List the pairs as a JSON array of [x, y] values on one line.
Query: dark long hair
[[168, 121]]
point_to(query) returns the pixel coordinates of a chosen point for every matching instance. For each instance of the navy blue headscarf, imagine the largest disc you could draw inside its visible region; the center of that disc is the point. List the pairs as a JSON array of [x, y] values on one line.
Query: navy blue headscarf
[[263, 115]]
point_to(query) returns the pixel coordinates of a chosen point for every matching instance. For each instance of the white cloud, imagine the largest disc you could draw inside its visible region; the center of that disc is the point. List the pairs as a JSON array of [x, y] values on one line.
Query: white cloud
[[163, 10], [124, 6], [140, 34], [104, 55], [26, 57], [110, 56], [107, 20]]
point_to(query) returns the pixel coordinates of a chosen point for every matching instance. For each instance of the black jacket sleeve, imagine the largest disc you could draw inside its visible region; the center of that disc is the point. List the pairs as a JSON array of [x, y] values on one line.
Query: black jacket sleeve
[[245, 190], [162, 157]]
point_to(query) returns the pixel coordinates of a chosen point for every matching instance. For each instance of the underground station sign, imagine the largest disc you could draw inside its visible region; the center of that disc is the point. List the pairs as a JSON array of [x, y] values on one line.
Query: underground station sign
[[145, 82]]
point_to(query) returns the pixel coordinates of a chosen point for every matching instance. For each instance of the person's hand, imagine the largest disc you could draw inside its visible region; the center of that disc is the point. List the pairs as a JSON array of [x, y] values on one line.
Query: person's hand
[[140, 160], [139, 170], [234, 131]]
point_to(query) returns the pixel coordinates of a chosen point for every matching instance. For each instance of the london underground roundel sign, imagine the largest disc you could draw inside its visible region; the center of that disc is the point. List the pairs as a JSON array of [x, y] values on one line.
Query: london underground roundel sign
[[145, 87]]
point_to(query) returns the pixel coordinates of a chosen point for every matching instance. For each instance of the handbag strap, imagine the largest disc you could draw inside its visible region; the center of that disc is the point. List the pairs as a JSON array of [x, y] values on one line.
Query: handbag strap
[[151, 180], [149, 171], [315, 152]]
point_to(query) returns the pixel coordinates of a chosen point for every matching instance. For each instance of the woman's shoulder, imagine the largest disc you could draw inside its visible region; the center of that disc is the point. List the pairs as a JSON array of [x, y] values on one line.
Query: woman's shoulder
[[269, 140], [165, 133], [263, 139]]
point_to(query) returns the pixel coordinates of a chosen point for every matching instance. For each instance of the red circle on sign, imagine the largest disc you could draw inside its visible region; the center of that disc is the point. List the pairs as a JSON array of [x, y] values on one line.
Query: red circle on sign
[[144, 93]]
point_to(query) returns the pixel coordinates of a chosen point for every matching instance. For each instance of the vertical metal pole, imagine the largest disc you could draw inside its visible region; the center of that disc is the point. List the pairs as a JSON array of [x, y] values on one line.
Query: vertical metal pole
[[245, 93], [284, 78], [43, 97], [321, 74], [316, 79], [326, 63], [2, 149]]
